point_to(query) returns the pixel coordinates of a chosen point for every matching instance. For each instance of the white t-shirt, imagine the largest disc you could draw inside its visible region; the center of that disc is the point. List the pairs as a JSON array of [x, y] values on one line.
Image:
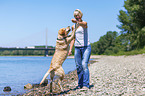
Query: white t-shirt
[[81, 37]]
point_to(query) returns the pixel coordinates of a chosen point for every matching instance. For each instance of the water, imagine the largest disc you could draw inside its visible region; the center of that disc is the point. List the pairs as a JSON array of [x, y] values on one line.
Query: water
[[18, 71]]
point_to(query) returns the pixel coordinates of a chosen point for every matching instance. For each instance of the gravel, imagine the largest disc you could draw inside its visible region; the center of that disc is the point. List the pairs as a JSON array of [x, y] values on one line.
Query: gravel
[[109, 75]]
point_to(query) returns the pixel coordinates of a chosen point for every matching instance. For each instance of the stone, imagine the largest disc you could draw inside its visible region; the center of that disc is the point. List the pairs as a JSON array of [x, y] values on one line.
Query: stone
[[28, 86], [7, 89], [45, 82]]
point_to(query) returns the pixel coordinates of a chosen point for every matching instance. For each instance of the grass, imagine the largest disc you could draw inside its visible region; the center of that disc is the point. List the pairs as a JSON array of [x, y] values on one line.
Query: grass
[[133, 52]]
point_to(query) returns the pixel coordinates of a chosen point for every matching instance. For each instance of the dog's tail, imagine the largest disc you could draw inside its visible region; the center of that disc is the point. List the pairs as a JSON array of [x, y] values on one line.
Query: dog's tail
[[45, 76]]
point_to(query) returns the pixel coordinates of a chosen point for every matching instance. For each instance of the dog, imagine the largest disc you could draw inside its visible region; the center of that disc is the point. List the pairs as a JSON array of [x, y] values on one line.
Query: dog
[[61, 53]]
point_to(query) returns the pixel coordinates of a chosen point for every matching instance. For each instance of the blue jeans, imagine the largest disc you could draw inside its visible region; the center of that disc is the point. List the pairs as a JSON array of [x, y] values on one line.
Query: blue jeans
[[82, 56]]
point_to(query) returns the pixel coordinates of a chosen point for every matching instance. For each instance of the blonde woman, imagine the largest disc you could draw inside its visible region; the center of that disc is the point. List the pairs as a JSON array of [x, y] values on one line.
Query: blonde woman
[[82, 49]]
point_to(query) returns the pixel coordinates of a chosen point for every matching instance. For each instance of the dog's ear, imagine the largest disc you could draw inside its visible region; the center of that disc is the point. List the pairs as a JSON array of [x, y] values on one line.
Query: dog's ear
[[61, 31], [68, 29]]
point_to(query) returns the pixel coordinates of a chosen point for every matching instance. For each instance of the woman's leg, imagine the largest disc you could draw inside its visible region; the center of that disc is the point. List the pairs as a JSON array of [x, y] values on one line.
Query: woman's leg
[[85, 61], [78, 61]]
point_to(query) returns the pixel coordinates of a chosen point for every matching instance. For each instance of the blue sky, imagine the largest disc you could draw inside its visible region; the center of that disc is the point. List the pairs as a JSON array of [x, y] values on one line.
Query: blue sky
[[24, 22]]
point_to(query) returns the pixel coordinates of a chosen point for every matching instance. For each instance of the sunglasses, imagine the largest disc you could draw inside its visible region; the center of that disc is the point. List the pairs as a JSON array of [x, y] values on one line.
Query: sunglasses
[[76, 15]]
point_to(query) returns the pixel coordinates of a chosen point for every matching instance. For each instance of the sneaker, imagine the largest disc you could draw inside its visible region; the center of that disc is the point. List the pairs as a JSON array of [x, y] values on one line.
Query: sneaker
[[84, 88]]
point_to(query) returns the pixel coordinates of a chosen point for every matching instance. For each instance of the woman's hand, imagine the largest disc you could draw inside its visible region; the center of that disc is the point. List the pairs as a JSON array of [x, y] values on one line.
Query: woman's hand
[[74, 20], [69, 53]]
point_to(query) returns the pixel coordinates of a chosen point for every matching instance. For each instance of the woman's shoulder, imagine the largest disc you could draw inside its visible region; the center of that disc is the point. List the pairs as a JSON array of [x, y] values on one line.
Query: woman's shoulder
[[84, 22]]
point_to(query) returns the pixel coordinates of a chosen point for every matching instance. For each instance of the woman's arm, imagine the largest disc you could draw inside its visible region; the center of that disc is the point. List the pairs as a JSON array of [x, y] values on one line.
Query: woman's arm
[[81, 23], [71, 44]]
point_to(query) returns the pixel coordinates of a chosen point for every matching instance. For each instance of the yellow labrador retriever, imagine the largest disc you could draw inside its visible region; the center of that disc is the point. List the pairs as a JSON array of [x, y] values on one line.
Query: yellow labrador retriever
[[61, 53]]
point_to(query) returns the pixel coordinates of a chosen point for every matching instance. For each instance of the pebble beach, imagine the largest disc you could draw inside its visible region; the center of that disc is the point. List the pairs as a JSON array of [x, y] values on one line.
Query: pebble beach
[[109, 75]]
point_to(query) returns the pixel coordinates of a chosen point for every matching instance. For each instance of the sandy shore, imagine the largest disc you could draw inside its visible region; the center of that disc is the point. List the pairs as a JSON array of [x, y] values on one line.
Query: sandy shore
[[109, 75]]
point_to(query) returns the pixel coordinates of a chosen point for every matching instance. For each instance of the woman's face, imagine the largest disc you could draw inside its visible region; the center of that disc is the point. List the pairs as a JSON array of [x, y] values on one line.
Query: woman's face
[[78, 17]]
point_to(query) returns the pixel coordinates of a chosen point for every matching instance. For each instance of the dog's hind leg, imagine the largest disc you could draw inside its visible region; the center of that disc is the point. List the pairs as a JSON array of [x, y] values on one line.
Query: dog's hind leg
[[61, 74], [45, 76], [60, 85]]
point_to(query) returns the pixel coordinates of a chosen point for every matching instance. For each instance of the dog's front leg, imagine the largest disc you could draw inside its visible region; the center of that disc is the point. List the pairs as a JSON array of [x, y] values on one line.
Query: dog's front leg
[[72, 34], [52, 74]]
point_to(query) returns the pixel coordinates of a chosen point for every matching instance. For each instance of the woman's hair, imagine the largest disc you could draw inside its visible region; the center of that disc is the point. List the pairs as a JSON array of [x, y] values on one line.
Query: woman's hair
[[78, 11]]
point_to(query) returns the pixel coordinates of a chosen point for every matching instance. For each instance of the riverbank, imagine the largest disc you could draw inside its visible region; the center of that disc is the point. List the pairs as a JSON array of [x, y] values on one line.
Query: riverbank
[[109, 75]]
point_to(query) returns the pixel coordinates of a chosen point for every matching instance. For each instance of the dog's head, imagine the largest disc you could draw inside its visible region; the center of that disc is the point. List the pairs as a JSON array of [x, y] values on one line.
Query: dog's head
[[64, 31], [67, 29]]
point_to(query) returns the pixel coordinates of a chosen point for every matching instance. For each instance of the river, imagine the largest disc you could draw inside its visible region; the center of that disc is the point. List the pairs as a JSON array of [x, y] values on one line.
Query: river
[[17, 71]]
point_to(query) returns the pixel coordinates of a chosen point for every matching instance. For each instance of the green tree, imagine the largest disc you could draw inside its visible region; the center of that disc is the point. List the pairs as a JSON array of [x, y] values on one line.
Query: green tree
[[133, 23], [94, 48], [105, 43]]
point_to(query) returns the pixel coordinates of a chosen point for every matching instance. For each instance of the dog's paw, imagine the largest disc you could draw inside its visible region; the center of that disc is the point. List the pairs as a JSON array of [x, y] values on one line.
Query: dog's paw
[[68, 29]]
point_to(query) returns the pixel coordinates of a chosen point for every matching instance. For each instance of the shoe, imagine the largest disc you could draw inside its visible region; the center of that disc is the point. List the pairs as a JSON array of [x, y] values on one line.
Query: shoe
[[84, 88]]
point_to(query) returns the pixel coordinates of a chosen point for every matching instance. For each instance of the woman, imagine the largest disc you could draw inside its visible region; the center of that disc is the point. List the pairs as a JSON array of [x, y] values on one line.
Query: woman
[[82, 49]]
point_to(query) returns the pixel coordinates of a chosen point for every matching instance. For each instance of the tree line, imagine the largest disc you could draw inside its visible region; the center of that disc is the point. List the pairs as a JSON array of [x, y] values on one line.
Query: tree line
[[132, 35], [27, 52]]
